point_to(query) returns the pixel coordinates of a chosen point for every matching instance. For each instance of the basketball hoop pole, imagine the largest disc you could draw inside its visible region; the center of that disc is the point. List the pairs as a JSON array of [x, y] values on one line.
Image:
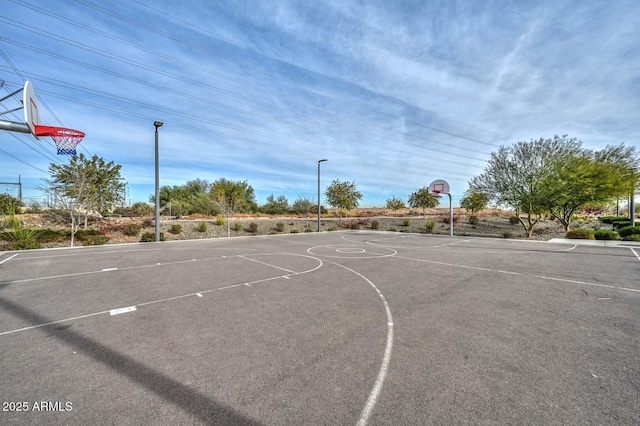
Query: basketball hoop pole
[[438, 187]]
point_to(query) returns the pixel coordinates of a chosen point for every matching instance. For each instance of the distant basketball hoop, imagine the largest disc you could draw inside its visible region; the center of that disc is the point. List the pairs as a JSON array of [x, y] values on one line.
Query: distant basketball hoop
[[66, 140]]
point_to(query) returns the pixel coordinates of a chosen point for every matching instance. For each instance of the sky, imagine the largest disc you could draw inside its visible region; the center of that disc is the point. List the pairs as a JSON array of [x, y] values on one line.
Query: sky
[[394, 94]]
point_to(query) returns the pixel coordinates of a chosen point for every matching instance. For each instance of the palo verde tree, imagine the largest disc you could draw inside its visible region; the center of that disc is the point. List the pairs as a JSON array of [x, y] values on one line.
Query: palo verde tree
[[423, 199], [229, 197], [474, 201], [85, 185], [589, 178], [276, 205], [518, 176], [395, 204], [343, 195]]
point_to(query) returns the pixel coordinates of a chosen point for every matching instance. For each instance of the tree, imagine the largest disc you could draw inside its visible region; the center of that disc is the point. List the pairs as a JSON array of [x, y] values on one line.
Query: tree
[[517, 176], [343, 195], [474, 201], [303, 205], [229, 197], [93, 184], [9, 204], [590, 177], [279, 205], [395, 204], [423, 199]]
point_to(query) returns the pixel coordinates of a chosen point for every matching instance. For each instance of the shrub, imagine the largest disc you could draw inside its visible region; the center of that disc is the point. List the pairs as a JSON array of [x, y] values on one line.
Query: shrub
[[406, 222], [629, 230], [311, 230], [473, 220], [392, 229], [175, 229], [84, 234], [219, 220], [132, 229], [603, 234], [514, 220], [24, 245], [51, 236], [331, 228], [429, 225], [96, 240], [279, 226], [375, 225], [507, 234], [607, 219], [237, 226], [634, 237], [295, 231], [355, 225], [580, 234], [148, 222], [149, 237], [253, 227], [202, 227]]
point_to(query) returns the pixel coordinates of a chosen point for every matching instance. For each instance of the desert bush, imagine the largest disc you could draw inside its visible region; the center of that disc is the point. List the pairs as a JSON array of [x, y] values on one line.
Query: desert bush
[[507, 234], [132, 229], [355, 225], [253, 227], [514, 220], [29, 244], [219, 220], [279, 226], [149, 237], [629, 230], [580, 234], [473, 220], [445, 218], [202, 227], [406, 222], [634, 237], [294, 231], [311, 230], [175, 229], [51, 236], [375, 224], [331, 228], [429, 225], [392, 229], [84, 234], [237, 226], [603, 234], [95, 240], [148, 222]]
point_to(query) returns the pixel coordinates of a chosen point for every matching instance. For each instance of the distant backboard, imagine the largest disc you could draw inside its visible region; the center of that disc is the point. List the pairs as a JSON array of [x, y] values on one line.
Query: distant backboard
[[30, 104], [439, 186]]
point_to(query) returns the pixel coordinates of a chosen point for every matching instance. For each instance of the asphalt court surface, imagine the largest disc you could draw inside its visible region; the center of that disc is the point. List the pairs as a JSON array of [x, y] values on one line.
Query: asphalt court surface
[[332, 328]]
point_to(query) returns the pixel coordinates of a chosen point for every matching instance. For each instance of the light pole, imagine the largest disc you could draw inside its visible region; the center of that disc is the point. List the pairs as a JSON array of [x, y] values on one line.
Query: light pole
[[319, 161], [157, 124]]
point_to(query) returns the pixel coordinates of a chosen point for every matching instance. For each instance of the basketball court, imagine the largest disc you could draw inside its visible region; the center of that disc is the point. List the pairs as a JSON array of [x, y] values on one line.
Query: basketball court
[[323, 328]]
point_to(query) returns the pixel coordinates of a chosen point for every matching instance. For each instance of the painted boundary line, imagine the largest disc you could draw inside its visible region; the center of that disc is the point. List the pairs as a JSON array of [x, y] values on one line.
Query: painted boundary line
[[634, 252], [8, 258], [478, 268], [168, 299], [386, 359]]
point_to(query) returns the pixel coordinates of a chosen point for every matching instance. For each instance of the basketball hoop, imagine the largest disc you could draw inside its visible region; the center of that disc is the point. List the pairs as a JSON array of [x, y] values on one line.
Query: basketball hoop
[[436, 192], [66, 140]]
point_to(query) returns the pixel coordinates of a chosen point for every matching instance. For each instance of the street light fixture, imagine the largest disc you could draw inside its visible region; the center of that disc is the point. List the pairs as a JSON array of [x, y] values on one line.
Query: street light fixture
[[157, 124], [319, 161]]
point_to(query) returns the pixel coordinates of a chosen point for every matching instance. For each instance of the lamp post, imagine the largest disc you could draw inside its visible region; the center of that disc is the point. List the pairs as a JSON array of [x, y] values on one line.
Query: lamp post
[[157, 124], [319, 161]]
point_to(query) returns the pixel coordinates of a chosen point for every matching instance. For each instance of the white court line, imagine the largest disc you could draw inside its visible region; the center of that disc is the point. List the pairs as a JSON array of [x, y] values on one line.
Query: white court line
[[477, 268], [9, 258], [122, 310], [168, 299], [267, 264], [634, 252], [386, 359]]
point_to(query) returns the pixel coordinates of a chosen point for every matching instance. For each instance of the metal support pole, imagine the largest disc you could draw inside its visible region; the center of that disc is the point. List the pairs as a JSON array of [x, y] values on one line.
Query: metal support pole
[[319, 161], [450, 215], [157, 124]]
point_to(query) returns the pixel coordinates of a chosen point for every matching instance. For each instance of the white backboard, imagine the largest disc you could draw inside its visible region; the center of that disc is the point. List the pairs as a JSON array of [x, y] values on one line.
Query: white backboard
[[440, 186], [30, 104]]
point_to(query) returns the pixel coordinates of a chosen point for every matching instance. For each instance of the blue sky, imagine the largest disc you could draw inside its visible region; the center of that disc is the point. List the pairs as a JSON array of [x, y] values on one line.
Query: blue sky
[[395, 94]]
